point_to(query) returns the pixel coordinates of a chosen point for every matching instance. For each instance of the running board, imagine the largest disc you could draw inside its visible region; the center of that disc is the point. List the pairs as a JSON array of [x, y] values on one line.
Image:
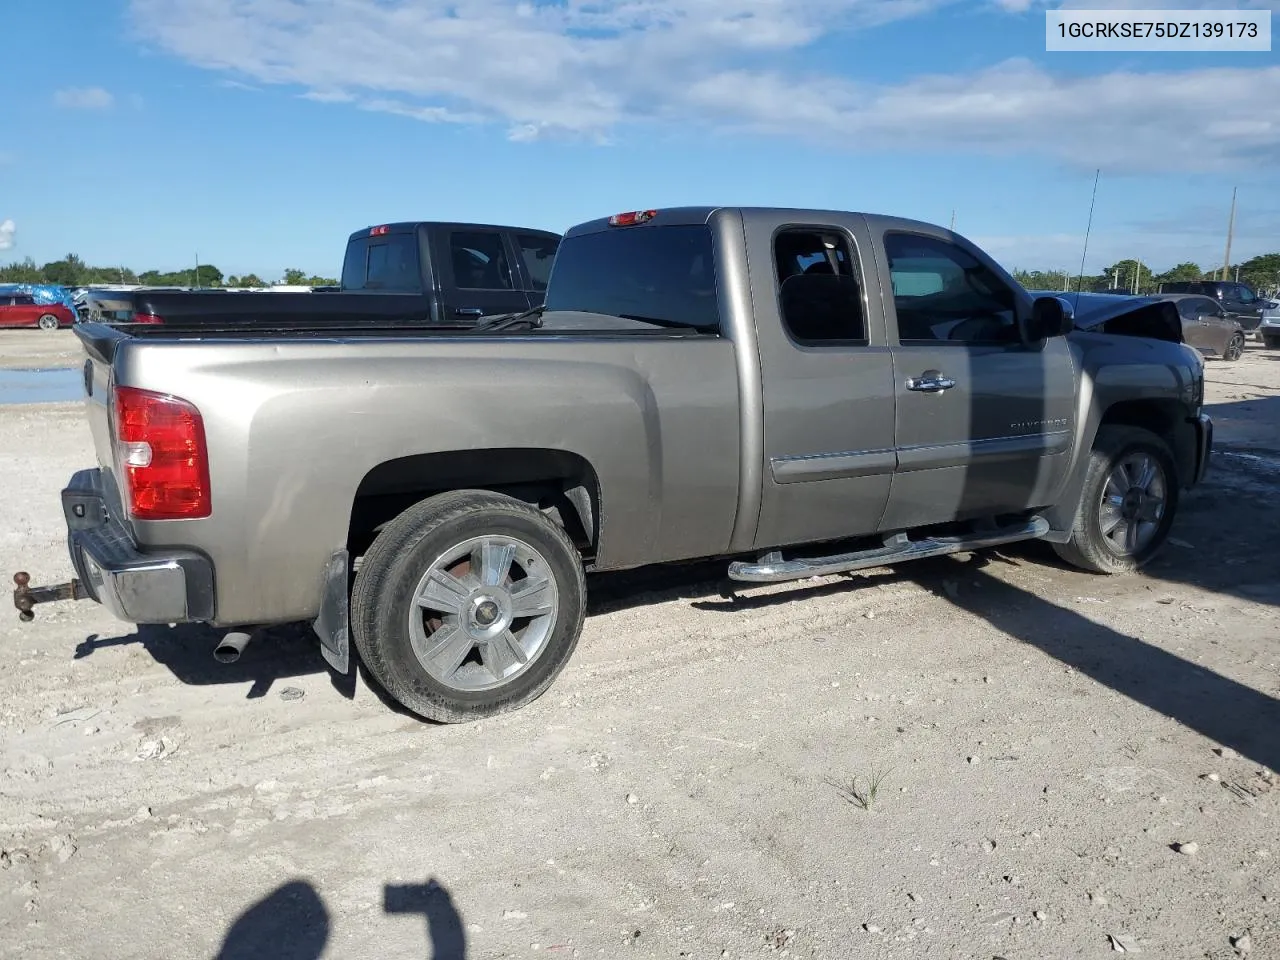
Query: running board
[[773, 569]]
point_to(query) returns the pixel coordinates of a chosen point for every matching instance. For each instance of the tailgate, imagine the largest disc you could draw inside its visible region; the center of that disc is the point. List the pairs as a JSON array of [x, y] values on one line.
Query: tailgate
[[100, 343]]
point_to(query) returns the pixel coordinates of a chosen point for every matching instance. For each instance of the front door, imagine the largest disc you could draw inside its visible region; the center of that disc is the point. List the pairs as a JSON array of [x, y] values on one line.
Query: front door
[[477, 275], [1241, 302], [984, 419], [827, 382]]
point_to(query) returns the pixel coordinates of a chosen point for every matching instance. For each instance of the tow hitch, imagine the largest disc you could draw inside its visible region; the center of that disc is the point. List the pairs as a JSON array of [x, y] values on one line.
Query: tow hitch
[[25, 596]]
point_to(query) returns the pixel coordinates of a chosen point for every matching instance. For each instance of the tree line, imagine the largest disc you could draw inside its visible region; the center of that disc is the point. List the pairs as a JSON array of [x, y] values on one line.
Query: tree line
[[72, 271], [1262, 273]]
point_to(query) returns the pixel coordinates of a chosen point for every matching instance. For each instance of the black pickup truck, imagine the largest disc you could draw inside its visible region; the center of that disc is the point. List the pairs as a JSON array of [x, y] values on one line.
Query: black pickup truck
[[446, 274]]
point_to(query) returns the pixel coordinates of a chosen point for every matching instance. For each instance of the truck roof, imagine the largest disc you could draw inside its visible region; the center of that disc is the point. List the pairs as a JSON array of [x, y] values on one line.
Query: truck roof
[[409, 226], [676, 216]]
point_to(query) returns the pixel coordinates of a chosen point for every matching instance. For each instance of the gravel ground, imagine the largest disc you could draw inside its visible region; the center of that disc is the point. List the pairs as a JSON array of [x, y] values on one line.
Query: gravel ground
[[35, 349], [1065, 765]]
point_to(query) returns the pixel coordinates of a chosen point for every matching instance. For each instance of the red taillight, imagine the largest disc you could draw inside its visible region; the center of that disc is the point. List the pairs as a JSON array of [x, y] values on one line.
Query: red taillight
[[147, 318], [378, 231], [632, 218], [161, 455]]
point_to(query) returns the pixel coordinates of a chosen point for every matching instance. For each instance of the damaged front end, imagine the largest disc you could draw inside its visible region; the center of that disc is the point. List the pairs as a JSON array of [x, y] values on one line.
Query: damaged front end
[[1129, 316]]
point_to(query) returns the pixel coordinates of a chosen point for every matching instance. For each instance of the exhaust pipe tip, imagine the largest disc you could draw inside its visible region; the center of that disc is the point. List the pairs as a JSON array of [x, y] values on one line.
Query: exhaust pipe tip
[[231, 646]]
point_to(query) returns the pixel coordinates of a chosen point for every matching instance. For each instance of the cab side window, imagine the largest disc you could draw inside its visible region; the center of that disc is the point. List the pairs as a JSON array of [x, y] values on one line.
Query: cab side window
[[819, 295], [942, 294], [539, 254], [479, 261]]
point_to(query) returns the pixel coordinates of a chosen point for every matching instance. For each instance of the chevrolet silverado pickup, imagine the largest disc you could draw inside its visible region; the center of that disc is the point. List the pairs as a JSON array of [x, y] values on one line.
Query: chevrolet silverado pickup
[[443, 274], [798, 392]]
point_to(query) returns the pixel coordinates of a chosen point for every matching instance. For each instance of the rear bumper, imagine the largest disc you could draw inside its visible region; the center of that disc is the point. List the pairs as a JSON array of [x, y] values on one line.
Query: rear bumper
[[1204, 447], [137, 586]]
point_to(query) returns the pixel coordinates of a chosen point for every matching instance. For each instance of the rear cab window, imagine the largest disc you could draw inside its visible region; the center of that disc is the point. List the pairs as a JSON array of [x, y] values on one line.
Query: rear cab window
[[656, 276], [387, 263]]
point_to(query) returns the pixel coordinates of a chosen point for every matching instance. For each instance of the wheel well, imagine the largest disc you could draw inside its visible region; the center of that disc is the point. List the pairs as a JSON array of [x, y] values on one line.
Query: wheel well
[[1165, 418], [563, 485]]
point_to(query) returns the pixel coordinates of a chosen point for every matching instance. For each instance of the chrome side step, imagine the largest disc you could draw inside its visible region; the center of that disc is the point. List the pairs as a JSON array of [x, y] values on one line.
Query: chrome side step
[[773, 569]]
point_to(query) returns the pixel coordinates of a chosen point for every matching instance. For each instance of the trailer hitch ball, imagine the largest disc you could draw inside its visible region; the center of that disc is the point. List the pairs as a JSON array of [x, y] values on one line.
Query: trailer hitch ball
[[22, 596]]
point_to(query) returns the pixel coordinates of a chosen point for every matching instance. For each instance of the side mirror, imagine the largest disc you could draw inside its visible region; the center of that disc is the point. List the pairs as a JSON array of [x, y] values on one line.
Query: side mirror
[[1049, 318]]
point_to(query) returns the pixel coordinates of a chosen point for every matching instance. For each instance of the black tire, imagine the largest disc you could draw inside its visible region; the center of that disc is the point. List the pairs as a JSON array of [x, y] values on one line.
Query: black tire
[[47, 322], [1273, 343], [1235, 348], [1089, 548], [395, 565]]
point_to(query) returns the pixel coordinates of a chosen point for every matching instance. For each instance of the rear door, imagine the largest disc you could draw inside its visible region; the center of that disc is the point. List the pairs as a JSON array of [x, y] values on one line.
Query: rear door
[[477, 273], [827, 380], [26, 311], [983, 419]]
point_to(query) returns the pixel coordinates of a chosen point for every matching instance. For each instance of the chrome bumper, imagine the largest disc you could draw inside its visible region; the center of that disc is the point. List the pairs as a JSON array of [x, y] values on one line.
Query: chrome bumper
[[163, 586]]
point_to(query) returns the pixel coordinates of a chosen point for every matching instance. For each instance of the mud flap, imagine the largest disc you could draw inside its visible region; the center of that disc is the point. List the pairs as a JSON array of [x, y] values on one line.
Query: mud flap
[[332, 626]]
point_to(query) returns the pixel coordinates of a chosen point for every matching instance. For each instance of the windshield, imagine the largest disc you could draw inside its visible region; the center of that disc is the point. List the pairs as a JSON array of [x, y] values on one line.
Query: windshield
[[660, 274]]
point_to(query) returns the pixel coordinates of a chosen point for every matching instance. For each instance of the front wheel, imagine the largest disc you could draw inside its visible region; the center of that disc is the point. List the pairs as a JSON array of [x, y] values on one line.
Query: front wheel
[[1273, 343], [1235, 348], [467, 605], [47, 322], [1127, 507]]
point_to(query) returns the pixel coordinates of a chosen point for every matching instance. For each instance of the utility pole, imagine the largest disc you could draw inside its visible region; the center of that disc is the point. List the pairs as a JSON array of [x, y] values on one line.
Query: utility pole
[[197, 271], [1231, 226]]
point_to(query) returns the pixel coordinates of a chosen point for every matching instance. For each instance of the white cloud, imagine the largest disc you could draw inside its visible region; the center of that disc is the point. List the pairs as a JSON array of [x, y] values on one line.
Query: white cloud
[[84, 98], [585, 67], [7, 231]]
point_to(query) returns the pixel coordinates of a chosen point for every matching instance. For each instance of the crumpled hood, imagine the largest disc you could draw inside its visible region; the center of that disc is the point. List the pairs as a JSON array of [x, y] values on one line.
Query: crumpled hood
[[1136, 316]]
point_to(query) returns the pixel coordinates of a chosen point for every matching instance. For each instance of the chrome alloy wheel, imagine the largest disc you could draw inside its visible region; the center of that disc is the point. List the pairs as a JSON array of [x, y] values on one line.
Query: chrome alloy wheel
[[482, 613], [1133, 504]]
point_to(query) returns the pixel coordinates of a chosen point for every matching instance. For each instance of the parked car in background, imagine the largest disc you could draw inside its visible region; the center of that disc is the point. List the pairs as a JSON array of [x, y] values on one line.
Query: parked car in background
[[1269, 326], [1207, 326], [1239, 300], [22, 310]]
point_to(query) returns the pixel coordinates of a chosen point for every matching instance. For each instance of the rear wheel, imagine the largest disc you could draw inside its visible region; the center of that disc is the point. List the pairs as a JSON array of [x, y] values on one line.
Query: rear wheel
[[47, 322], [467, 605], [1235, 347], [1127, 507]]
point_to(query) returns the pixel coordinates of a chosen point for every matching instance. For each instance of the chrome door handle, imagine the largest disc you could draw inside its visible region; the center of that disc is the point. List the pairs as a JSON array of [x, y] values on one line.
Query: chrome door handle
[[469, 312], [930, 382]]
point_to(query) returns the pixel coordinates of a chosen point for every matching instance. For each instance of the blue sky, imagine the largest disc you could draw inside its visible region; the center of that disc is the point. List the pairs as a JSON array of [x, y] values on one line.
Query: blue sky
[[259, 133]]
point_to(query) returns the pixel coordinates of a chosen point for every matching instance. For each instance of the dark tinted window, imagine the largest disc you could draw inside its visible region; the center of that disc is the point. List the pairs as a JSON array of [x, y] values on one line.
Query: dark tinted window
[[538, 253], [479, 261], [24, 300], [943, 294], [660, 274], [818, 291], [388, 262]]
